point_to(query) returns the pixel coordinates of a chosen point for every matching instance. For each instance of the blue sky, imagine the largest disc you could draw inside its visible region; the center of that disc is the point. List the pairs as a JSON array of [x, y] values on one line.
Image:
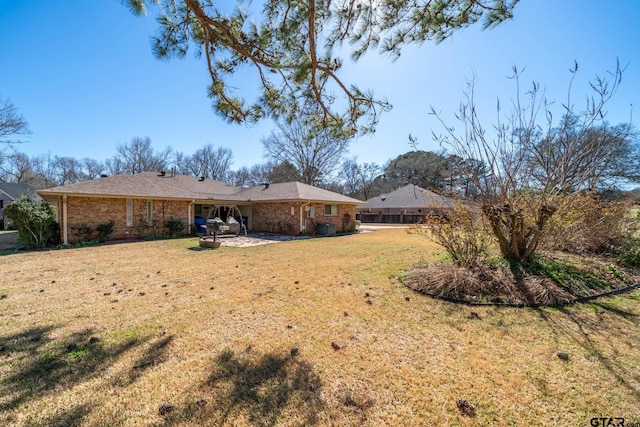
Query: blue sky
[[83, 75]]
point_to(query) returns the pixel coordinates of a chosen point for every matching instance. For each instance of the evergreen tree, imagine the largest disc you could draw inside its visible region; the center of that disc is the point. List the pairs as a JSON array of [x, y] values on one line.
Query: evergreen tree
[[290, 46]]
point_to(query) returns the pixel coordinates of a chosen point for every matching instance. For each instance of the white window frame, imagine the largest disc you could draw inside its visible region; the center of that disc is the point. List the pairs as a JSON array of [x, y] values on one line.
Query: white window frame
[[333, 210], [129, 215], [311, 211]]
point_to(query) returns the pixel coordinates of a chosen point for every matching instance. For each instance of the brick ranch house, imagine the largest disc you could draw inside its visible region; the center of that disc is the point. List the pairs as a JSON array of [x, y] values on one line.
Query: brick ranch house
[[139, 204], [406, 205]]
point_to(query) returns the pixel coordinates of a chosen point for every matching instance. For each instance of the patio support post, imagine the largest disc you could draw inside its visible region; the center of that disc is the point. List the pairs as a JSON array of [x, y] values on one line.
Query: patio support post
[[193, 202], [65, 222]]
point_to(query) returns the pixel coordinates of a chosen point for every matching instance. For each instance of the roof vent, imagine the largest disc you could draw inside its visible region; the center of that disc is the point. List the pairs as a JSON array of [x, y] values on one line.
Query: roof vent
[[163, 173], [201, 179], [104, 175], [383, 198], [266, 185]]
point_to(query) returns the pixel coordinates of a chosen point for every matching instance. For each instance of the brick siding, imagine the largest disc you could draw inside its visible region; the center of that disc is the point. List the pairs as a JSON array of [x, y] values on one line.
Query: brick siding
[[265, 217], [277, 217], [93, 211]]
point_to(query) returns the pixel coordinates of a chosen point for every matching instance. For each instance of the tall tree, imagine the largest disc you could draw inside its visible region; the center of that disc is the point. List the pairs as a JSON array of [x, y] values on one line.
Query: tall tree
[[359, 179], [240, 177], [138, 156], [426, 169], [20, 168], [283, 172], [114, 166], [11, 123], [259, 173], [599, 157], [210, 162], [67, 170], [92, 168], [315, 153], [290, 47]]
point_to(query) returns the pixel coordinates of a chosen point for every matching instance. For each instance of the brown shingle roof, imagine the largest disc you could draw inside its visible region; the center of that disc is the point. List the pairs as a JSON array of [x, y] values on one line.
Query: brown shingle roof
[[293, 191], [409, 196], [153, 185]]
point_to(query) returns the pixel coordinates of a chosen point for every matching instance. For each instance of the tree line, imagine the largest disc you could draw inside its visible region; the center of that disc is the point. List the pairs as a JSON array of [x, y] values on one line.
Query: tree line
[[294, 151], [600, 157], [361, 180]]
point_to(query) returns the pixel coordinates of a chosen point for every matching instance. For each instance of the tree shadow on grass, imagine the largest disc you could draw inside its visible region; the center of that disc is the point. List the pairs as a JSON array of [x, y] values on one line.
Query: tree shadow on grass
[[28, 340], [263, 389], [609, 335], [67, 418], [152, 356], [41, 365]]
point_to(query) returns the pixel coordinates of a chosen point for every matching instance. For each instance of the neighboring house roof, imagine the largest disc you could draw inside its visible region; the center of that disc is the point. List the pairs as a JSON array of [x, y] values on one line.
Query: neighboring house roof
[[409, 196], [182, 187], [17, 190]]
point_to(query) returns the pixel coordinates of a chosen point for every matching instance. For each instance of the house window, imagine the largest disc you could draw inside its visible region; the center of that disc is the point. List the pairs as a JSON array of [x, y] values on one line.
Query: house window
[[149, 212], [129, 213], [1, 204], [311, 211], [330, 210]]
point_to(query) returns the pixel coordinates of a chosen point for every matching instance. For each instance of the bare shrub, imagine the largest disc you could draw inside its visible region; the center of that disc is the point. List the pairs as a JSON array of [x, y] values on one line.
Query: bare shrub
[[461, 231], [585, 223], [527, 162]]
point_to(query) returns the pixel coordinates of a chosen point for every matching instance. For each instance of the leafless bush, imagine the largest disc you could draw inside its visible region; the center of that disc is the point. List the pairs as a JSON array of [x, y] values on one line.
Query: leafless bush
[[527, 162], [461, 231], [585, 223]]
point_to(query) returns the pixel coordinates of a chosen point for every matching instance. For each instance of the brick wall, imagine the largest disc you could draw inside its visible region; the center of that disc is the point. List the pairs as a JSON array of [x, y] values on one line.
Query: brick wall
[[345, 220], [94, 211], [265, 217], [277, 218]]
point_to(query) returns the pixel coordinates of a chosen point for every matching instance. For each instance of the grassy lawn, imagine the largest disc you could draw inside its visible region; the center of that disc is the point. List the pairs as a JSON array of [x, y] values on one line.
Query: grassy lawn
[[304, 332]]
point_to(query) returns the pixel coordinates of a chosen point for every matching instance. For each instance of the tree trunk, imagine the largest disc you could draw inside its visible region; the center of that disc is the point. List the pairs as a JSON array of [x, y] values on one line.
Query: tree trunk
[[516, 241]]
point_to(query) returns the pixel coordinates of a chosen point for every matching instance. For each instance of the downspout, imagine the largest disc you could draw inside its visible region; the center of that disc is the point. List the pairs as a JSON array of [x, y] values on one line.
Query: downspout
[[65, 222], [303, 219]]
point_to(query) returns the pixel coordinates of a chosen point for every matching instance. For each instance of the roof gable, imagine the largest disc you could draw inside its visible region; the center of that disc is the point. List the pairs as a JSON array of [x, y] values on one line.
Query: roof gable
[[17, 190]]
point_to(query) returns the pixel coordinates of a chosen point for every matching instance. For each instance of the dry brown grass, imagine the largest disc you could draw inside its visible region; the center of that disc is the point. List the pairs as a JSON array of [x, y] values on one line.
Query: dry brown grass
[[551, 280], [243, 336]]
